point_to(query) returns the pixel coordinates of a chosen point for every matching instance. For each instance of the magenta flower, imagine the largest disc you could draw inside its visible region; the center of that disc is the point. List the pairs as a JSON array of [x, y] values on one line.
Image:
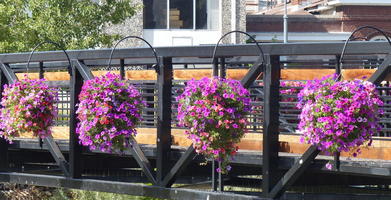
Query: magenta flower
[[214, 110], [339, 115], [329, 166], [109, 111], [28, 106]]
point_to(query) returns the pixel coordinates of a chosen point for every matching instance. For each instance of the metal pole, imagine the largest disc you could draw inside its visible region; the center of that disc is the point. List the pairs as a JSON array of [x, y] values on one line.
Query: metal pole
[[286, 22]]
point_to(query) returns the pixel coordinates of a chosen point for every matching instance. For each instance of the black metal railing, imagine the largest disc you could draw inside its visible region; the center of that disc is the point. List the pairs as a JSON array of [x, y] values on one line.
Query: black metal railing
[[272, 113]]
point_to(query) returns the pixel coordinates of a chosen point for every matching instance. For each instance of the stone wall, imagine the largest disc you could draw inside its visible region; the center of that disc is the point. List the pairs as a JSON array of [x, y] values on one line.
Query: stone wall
[[240, 20], [132, 26], [226, 19]]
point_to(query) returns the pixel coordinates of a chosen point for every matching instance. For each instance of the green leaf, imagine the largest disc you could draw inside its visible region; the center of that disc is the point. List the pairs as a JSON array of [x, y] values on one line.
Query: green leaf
[[74, 24]]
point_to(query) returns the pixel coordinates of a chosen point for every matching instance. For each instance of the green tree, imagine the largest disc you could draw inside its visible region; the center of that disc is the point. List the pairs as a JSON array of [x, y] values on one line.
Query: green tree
[[75, 24]]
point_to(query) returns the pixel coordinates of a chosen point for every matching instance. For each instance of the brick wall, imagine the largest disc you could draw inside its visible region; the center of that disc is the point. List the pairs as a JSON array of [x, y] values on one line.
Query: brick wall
[[302, 23], [367, 11], [351, 18], [357, 16]]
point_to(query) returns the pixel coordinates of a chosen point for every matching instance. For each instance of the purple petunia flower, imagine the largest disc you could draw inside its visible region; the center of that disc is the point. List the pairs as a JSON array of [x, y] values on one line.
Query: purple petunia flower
[[223, 104], [28, 106], [339, 115], [109, 111]]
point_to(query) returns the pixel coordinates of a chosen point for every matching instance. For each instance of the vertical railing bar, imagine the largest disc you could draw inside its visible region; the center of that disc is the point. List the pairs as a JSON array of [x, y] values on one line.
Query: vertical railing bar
[[223, 70], [41, 71], [221, 180], [271, 77], [41, 76], [122, 68], [215, 69], [337, 161], [214, 176], [222, 74], [75, 149], [3, 142], [165, 77], [338, 66], [338, 71]]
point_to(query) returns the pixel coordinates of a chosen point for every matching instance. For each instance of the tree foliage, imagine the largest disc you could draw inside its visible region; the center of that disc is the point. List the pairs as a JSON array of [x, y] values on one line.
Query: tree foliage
[[74, 24]]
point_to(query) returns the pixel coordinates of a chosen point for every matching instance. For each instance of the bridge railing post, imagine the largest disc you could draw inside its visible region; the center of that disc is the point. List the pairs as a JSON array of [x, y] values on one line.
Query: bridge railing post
[[3, 142], [271, 79], [164, 81], [75, 149]]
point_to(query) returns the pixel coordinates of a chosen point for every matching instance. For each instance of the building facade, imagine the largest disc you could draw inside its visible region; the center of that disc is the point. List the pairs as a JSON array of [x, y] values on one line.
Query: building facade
[[184, 22], [321, 20]]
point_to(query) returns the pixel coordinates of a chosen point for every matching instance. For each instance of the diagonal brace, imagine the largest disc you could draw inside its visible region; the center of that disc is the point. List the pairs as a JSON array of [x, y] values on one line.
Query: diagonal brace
[[142, 161], [83, 70], [57, 155], [253, 73], [179, 166], [382, 71], [294, 172], [9, 74]]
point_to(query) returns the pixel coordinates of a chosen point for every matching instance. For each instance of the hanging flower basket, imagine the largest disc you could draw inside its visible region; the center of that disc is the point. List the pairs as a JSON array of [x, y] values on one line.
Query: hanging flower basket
[[109, 111], [339, 115], [215, 112], [27, 106]]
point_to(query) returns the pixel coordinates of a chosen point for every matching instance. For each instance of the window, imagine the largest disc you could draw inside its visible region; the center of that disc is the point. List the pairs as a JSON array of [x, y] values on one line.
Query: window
[[201, 14], [182, 14], [155, 14], [207, 14]]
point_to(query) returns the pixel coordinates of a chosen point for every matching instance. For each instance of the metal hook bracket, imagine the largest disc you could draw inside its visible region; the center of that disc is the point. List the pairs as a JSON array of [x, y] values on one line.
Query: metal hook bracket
[[156, 66], [55, 44], [242, 32], [351, 37]]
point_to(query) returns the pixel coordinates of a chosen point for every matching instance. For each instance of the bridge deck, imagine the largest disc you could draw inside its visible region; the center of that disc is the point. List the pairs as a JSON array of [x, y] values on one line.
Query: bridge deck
[[121, 173], [380, 148], [245, 157]]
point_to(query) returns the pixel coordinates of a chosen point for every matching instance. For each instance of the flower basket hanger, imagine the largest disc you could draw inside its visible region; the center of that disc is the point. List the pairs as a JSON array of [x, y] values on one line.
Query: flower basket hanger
[[351, 37], [215, 61], [155, 66], [53, 43]]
